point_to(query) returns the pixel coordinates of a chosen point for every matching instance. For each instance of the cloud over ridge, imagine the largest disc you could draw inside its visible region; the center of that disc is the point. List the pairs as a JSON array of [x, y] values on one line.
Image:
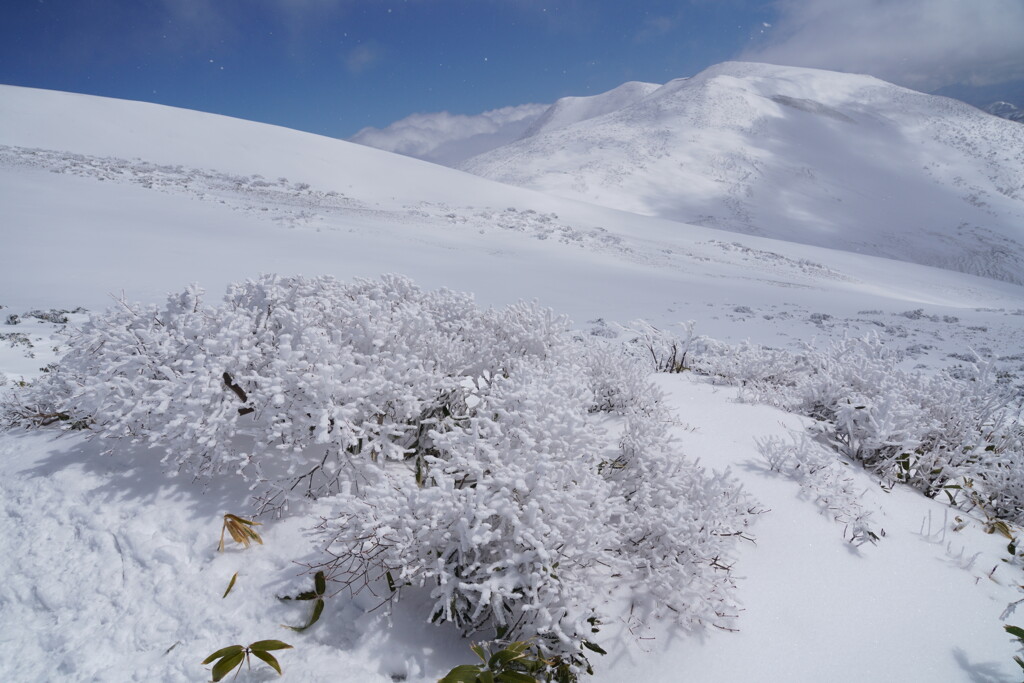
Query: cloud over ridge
[[923, 44]]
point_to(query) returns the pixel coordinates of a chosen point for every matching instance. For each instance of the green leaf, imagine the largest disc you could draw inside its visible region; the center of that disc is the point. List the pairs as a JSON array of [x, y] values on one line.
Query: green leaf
[[231, 584], [317, 609], [501, 658], [305, 595], [264, 645], [486, 677], [514, 677], [480, 652], [1015, 631], [511, 652], [224, 666], [391, 581], [531, 665], [320, 583], [223, 652], [268, 658], [594, 648], [465, 673], [1020, 662]]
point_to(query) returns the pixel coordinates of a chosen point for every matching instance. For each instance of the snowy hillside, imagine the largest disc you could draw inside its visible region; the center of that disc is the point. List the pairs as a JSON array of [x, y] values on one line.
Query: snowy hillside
[[152, 196], [450, 139], [571, 110], [109, 546], [810, 156]]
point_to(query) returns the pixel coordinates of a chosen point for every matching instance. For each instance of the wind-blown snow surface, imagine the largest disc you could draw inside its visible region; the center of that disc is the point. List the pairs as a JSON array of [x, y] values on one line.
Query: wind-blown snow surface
[[838, 160], [110, 566]]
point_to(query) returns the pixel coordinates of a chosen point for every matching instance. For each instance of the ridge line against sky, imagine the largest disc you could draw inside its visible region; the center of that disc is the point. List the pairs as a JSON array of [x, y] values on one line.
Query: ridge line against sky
[[335, 66]]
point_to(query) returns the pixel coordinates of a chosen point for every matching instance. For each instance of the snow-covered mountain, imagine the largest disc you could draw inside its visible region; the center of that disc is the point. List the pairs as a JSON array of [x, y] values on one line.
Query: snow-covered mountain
[[1006, 110], [568, 111], [450, 139], [810, 156]]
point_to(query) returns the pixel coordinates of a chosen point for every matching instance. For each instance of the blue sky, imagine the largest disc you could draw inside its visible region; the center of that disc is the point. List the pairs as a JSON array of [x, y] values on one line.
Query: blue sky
[[335, 66]]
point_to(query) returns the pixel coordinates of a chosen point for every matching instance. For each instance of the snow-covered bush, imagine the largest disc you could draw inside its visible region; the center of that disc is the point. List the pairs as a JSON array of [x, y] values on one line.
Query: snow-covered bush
[[511, 527], [748, 365], [824, 480], [960, 436], [519, 473], [666, 351], [940, 434]]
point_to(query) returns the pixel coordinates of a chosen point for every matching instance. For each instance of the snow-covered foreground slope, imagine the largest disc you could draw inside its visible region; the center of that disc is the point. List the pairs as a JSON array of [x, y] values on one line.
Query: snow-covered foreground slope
[[112, 574], [817, 157], [110, 564]]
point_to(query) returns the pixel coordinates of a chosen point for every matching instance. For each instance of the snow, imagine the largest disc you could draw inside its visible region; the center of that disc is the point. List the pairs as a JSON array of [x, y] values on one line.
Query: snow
[[806, 589], [837, 160], [448, 139], [115, 564], [568, 111], [110, 564]]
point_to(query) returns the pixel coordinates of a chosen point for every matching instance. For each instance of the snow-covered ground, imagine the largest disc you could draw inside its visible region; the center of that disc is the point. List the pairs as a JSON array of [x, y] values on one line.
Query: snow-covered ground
[[112, 573], [110, 565]]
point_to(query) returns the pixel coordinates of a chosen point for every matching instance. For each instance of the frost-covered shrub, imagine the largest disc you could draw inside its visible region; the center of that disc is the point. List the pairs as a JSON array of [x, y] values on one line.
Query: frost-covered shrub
[[935, 432], [943, 434], [823, 479], [293, 383], [511, 527], [666, 351], [617, 379], [451, 448], [675, 523], [748, 365]]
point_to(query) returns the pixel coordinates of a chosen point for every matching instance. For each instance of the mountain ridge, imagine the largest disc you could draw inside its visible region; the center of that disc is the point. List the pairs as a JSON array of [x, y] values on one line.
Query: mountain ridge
[[798, 154]]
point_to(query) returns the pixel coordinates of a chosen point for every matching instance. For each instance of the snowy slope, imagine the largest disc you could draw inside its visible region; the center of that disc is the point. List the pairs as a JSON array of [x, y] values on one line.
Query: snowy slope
[[571, 110], [811, 156], [196, 196], [450, 139], [110, 566]]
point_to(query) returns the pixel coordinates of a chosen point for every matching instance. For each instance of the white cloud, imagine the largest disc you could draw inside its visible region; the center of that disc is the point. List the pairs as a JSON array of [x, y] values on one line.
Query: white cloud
[[448, 138], [923, 44]]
